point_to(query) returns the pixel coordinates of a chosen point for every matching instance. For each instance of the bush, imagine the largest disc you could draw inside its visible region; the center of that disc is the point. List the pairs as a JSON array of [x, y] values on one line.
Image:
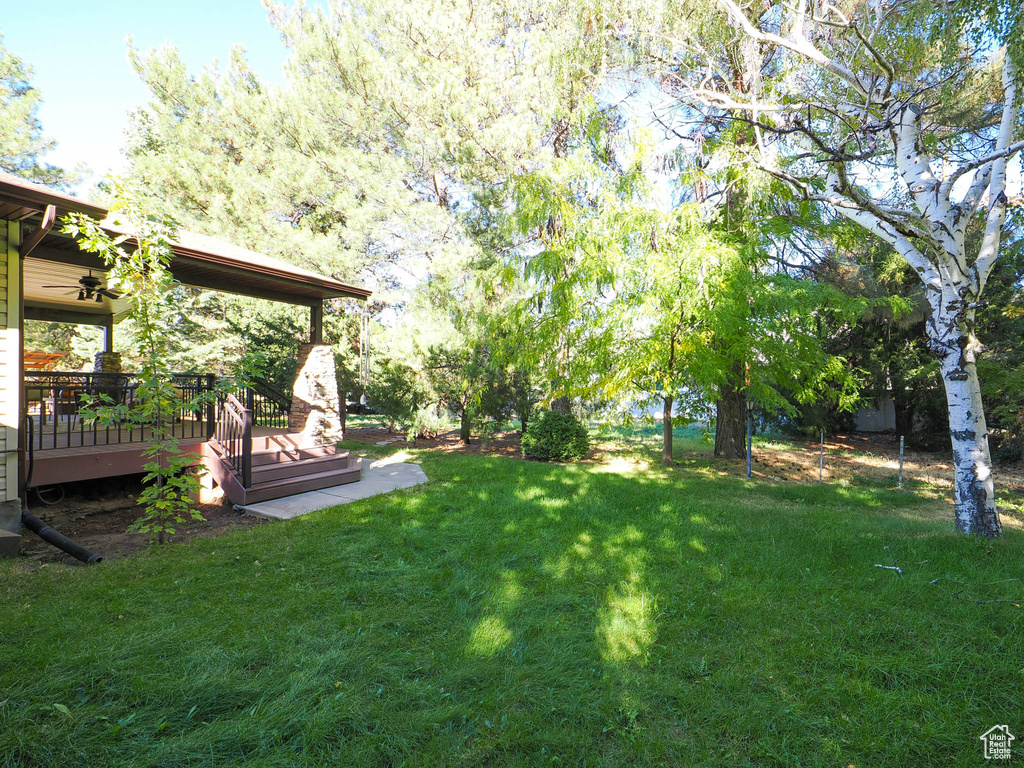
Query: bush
[[1006, 450], [395, 392], [553, 436], [426, 424]]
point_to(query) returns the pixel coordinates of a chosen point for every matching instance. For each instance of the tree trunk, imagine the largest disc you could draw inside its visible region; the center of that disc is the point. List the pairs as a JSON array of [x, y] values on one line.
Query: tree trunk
[[730, 419], [904, 412], [974, 492], [666, 442], [561, 405], [464, 433]]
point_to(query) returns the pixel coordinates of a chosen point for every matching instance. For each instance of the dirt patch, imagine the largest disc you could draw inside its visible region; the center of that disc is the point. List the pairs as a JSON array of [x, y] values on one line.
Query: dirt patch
[[867, 460], [97, 515], [499, 444], [872, 460]]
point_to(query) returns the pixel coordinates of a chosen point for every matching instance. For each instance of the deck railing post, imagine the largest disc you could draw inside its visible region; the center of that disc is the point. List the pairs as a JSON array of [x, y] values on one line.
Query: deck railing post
[[247, 449], [211, 406], [250, 403]]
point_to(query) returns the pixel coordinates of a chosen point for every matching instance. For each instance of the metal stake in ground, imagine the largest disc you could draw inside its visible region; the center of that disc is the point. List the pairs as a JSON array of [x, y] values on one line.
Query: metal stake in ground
[[750, 434], [821, 460], [899, 483]]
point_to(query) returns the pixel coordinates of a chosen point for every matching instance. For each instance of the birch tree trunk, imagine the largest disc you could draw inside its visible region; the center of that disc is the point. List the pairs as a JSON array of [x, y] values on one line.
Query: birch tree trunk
[[953, 287], [853, 103], [973, 489]]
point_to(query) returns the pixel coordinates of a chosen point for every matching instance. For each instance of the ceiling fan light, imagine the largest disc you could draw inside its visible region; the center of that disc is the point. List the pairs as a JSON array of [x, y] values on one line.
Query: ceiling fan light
[[99, 297], [81, 295]]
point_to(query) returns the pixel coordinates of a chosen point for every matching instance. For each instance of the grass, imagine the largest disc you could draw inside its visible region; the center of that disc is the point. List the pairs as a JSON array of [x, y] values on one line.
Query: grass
[[358, 420], [513, 613]]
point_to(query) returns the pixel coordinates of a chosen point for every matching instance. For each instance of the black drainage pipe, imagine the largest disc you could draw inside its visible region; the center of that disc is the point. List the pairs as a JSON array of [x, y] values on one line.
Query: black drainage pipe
[[41, 529], [59, 540]]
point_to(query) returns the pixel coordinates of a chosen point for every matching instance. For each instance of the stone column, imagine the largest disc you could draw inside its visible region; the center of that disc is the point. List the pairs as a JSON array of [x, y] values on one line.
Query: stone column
[[316, 409], [107, 362], [10, 515], [108, 382]]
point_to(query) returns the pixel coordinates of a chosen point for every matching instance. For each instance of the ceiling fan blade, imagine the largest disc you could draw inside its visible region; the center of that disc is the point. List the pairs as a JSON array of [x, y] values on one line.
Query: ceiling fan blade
[[76, 287], [109, 294]]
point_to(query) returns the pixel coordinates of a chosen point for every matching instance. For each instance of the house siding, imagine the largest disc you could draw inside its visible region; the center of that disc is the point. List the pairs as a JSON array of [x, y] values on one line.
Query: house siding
[[10, 358]]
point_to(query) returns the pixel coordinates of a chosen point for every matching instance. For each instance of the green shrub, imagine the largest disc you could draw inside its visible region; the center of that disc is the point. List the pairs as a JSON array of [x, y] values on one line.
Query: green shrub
[[426, 424], [1006, 450], [395, 392], [553, 436]]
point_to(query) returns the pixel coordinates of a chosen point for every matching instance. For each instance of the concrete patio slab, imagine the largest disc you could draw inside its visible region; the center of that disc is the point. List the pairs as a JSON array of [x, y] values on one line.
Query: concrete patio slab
[[379, 477]]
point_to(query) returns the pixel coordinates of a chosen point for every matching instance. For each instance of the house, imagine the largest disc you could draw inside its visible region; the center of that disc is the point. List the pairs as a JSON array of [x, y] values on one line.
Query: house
[[253, 451], [880, 416]]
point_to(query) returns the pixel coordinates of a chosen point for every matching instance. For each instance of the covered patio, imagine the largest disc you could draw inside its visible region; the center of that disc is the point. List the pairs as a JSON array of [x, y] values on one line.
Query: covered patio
[[47, 277]]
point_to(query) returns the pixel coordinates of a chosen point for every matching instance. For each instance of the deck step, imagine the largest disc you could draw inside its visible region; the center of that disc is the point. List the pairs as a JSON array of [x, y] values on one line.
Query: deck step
[[287, 441], [281, 469], [283, 465], [284, 456], [316, 481], [263, 456]]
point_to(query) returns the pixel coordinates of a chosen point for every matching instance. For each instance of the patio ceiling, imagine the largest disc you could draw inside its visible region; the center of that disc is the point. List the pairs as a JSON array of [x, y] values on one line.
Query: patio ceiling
[[40, 272]]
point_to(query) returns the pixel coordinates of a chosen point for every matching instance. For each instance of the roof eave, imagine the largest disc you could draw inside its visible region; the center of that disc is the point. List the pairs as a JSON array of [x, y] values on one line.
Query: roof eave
[[31, 196], [331, 288], [37, 197]]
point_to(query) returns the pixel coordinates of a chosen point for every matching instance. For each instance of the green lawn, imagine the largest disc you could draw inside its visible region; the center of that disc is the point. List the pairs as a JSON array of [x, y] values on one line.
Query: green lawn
[[515, 613]]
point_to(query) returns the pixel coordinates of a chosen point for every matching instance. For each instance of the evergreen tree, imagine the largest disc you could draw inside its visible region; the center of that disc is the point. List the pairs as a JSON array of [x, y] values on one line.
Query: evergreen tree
[[22, 142]]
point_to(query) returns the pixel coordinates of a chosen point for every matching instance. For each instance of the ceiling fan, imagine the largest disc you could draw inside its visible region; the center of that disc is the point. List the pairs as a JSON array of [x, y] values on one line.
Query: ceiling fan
[[90, 288]]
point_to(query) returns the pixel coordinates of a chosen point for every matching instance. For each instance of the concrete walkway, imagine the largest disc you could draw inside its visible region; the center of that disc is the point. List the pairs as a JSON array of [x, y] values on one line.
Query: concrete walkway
[[379, 477]]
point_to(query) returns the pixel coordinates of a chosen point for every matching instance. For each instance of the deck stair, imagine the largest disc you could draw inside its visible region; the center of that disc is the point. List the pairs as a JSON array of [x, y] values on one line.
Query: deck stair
[[275, 466]]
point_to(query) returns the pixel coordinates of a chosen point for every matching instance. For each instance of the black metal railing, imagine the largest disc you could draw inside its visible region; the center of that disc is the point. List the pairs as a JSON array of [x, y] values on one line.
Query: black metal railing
[[233, 434], [268, 405], [271, 394], [58, 402]]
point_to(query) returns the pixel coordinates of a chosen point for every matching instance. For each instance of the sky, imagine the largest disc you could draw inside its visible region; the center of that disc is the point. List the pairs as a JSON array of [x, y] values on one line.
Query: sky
[[78, 53]]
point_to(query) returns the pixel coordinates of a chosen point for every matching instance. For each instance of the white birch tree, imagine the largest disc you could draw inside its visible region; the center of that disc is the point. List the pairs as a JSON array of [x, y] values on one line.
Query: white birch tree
[[871, 110]]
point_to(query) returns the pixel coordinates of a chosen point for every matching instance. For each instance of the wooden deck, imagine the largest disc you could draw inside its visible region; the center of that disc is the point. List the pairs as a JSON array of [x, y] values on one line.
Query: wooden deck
[[60, 462]]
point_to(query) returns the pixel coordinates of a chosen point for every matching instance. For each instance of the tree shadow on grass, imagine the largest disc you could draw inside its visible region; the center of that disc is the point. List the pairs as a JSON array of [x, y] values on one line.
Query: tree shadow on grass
[[674, 604], [512, 613]]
